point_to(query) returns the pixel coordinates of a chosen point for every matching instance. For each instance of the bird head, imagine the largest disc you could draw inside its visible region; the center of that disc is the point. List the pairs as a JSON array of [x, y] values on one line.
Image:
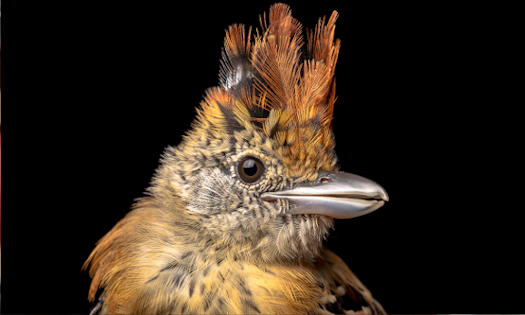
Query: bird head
[[258, 170]]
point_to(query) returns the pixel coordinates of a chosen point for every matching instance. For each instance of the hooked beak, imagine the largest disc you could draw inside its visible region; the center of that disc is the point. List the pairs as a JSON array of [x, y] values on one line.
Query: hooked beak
[[335, 194]]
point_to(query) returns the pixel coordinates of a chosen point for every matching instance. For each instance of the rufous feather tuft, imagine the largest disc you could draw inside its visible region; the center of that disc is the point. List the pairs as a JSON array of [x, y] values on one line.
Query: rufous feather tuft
[[287, 86]]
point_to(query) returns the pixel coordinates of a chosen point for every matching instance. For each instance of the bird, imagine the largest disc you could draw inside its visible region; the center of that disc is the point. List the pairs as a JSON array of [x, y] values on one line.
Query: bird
[[236, 215]]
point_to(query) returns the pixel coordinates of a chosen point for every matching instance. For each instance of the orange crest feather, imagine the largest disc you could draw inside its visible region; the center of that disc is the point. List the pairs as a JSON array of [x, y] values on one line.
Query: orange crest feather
[[289, 94]]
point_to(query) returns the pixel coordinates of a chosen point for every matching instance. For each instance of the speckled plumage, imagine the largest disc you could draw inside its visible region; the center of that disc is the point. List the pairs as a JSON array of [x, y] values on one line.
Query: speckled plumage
[[203, 241]]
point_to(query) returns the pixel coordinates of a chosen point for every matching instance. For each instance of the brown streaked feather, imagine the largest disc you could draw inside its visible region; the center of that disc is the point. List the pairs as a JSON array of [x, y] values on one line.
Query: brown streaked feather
[[276, 57], [267, 75], [142, 238], [157, 272], [357, 296], [236, 70], [321, 46]]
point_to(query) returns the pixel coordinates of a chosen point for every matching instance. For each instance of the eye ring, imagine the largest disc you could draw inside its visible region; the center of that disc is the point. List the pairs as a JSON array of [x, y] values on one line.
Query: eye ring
[[250, 169]]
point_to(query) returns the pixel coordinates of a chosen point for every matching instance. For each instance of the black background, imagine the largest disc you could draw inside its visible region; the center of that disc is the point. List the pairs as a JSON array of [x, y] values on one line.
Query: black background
[[111, 87]]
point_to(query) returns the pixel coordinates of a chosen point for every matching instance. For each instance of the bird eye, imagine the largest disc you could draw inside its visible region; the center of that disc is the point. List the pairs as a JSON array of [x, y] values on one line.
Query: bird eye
[[250, 169]]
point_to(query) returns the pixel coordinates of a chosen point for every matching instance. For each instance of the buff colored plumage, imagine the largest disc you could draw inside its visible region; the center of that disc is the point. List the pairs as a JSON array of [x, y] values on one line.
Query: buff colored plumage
[[207, 239]]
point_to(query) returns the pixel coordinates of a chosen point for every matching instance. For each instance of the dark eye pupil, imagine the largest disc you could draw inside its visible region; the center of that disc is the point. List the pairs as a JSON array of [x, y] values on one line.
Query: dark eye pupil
[[250, 168]]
